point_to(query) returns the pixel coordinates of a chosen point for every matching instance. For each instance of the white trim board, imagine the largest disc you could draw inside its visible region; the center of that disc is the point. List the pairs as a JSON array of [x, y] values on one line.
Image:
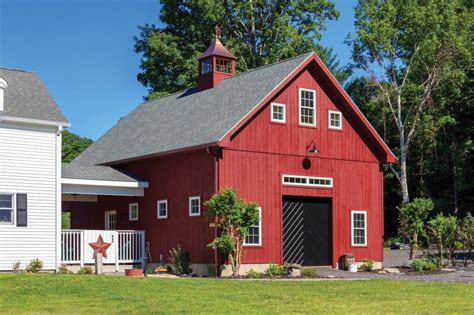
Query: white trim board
[[105, 183]]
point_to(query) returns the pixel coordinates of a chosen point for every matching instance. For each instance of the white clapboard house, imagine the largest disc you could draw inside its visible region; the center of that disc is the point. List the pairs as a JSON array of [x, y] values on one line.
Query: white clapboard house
[[35, 187], [30, 171]]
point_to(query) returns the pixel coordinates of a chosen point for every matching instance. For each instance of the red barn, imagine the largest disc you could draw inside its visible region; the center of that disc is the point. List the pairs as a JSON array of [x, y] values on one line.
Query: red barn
[[285, 135]]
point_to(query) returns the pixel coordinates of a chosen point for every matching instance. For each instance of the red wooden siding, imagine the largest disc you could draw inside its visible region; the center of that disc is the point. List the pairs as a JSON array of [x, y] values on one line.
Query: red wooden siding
[[262, 151], [175, 178]]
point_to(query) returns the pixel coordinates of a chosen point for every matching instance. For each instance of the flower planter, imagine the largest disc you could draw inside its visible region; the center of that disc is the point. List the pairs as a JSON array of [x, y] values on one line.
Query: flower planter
[[134, 272]]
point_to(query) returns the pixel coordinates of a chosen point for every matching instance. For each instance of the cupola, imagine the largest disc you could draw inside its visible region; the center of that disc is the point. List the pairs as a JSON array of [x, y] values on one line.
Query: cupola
[[215, 64]]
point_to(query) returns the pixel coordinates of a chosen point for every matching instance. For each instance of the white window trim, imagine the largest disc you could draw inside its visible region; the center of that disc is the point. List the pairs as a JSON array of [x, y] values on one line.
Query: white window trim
[[281, 121], [307, 180], [329, 120], [13, 209], [259, 230], [165, 201], [130, 211], [352, 227], [189, 206], [299, 108]]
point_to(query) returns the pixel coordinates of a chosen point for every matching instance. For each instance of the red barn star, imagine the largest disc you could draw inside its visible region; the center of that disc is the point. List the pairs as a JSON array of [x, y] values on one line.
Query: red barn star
[[100, 246]]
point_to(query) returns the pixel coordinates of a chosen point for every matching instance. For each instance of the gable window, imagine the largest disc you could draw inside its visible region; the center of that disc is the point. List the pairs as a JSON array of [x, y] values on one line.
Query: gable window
[[6, 209], [162, 209], [335, 120], [194, 206], [223, 65], [278, 113], [307, 107], [133, 212], [206, 66], [359, 227], [254, 237]]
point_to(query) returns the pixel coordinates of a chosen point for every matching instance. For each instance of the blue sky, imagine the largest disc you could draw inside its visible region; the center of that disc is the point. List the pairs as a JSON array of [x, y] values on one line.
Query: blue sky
[[83, 50]]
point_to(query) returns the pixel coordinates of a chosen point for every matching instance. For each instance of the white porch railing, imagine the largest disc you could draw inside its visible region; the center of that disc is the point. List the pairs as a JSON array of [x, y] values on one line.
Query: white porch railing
[[126, 246]]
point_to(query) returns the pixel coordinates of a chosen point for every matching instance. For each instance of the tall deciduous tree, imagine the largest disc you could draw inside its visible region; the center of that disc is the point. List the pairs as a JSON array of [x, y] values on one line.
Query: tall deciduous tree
[[258, 32], [73, 145], [409, 49]]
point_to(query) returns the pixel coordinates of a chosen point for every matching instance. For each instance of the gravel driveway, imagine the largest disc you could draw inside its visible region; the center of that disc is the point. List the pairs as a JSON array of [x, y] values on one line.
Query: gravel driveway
[[396, 258]]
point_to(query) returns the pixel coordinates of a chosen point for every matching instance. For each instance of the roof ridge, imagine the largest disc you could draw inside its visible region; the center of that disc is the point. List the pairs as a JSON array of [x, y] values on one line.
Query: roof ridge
[[271, 64], [239, 74], [16, 69]]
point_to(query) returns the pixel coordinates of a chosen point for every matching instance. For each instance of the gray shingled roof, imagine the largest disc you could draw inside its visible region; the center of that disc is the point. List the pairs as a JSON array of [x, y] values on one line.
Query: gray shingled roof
[[27, 97], [96, 172], [188, 118]]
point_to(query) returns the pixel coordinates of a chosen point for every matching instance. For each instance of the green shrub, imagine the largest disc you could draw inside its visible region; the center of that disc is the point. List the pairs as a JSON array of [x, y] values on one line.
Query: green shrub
[[86, 270], [367, 265], [212, 271], [310, 273], [150, 271], [421, 264], [34, 266], [418, 264], [429, 265], [254, 274], [16, 267], [180, 260], [63, 270], [275, 270]]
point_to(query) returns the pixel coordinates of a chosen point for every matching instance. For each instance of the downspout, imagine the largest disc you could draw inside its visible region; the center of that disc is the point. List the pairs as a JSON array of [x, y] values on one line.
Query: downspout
[[214, 151]]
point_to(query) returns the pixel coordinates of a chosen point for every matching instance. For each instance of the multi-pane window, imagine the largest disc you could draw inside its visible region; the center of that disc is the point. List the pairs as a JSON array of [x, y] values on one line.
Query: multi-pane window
[[133, 211], [206, 66], [254, 236], [359, 228], [278, 113], [162, 209], [307, 107], [296, 180], [335, 120], [194, 206], [223, 65], [6, 209]]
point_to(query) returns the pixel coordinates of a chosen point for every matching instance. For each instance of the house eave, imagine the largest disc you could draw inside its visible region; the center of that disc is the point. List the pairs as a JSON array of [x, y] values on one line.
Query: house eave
[[30, 121]]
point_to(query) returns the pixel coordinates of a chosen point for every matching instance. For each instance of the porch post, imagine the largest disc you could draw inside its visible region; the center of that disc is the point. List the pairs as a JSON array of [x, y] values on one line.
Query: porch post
[[83, 246], [117, 244], [142, 249]]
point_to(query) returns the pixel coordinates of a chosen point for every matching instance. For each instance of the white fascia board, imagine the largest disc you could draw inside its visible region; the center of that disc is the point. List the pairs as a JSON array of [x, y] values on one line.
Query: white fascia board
[[102, 190], [103, 183], [30, 121]]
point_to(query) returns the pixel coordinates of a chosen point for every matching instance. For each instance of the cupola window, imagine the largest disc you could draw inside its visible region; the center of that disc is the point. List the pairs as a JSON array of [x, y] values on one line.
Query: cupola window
[[223, 65], [206, 66]]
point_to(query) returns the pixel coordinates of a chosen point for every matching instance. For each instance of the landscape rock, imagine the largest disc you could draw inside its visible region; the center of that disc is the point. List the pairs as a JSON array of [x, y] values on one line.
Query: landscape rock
[[295, 272], [382, 271], [391, 270]]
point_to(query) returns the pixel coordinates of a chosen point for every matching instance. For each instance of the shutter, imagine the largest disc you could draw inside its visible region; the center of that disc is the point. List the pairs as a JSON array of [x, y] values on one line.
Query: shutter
[[21, 210]]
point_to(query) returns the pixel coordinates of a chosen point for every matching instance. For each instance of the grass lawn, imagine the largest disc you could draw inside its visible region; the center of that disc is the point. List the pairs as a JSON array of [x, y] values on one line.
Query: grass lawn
[[99, 294]]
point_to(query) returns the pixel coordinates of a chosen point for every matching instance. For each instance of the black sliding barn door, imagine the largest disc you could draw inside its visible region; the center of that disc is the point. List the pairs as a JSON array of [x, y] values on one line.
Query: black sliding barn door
[[306, 231]]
